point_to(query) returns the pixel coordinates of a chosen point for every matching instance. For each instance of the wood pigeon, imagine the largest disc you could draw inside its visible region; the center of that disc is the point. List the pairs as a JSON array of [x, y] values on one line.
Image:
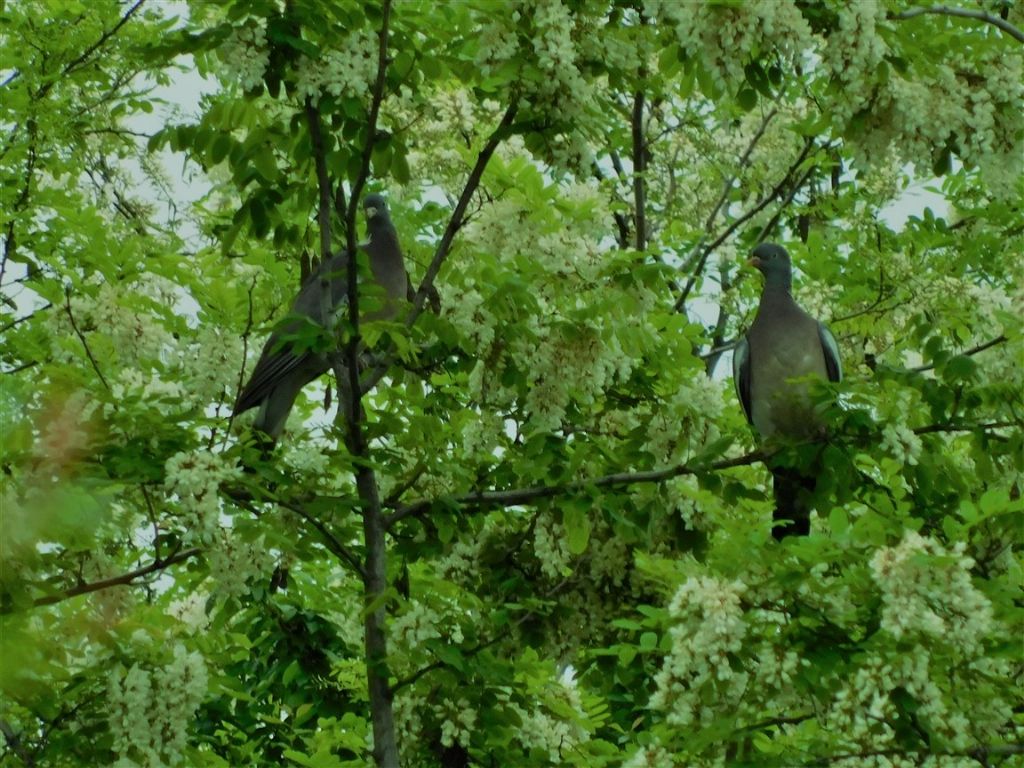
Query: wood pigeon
[[783, 345], [287, 363]]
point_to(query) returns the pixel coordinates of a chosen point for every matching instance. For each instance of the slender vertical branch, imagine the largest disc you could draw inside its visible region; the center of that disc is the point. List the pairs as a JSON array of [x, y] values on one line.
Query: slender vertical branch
[[965, 13], [763, 203], [85, 342], [718, 336], [371, 125], [639, 169], [323, 180], [444, 246], [374, 570]]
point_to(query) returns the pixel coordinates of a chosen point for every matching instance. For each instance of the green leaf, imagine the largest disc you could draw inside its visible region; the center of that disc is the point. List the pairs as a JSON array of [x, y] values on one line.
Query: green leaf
[[576, 520], [838, 522], [960, 368], [220, 148], [747, 99]]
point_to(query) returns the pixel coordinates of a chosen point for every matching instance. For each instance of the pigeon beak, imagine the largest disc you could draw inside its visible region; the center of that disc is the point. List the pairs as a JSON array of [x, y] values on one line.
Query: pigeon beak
[[754, 261], [370, 212]]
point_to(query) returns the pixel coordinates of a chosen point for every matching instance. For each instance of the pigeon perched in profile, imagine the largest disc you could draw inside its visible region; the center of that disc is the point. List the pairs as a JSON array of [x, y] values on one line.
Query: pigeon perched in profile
[[288, 363], [784, 343]]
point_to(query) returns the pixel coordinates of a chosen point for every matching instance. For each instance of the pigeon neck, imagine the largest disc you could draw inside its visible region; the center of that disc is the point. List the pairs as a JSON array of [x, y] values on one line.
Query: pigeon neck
[[383, 234], [778, 281]]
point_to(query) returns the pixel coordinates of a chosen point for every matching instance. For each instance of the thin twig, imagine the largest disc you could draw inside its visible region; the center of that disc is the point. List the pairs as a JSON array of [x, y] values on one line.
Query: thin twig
[[331, 541], [444, 246], [740, 221], [1001, 339], [14, 743], [371, 125], [740, 166], [518, 496], [964, 13], [932, 428], [74, 63], [117, 581], [29, 316], [85, 343], [639, 169]]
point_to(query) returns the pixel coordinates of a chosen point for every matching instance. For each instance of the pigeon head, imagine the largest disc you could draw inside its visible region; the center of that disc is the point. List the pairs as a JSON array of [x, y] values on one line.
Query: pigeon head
[[773, 262], [376, 207]]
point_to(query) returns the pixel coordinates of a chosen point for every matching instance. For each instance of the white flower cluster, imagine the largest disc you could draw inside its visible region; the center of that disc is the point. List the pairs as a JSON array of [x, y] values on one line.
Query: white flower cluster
[[190, 610], [865, 708], [470, 315], [911, 760], [460, 562], [651, 756], [415, 626], [975, 105], [898, 439], [550, 31], [927, 592], [194, 477], [146, 386], [901, 442], [408, 719], [307, 458], [688, 421], [208, 364], [575, 365], [608, 559], [112, 315], [346, 70], [246, 55], [854, 51], [709, 627], [550, 546], [775, 667], [480, 435], [553, 734], [151, 709], [236, 564], [457, 721], [724, 37]]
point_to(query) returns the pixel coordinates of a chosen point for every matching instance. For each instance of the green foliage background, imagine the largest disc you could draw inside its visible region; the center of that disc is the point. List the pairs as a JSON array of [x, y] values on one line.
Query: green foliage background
[[579, 565]]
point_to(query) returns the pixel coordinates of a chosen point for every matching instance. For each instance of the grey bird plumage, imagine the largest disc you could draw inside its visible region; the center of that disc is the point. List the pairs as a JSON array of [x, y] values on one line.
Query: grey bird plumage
[[783, 345], [288, 362]]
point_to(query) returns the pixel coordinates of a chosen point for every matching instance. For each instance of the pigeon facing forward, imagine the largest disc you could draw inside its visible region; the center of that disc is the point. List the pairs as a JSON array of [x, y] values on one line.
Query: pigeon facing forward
[[783, 345]]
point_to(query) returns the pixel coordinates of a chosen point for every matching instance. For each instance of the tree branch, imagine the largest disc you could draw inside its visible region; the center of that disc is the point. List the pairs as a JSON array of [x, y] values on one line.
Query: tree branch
[[323, 183], [25, 318], [331, 541], [116, 581], [371, 125], [75, 63], [444, 246], [374, 570], [639, 169], [740, 167], [740, 221], [981, 753], [964, 13], [14, 743], [517, 496], [1001, 339], [932, 428], [85, 343]]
